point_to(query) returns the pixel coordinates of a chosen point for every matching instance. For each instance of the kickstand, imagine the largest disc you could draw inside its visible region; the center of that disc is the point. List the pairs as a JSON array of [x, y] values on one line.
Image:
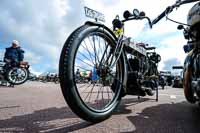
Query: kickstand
[[138, 97], [156, 94]]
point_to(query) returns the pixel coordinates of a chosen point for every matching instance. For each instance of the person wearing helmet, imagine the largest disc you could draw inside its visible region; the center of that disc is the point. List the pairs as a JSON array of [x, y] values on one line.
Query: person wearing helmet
[[15, 54], [193, 20]]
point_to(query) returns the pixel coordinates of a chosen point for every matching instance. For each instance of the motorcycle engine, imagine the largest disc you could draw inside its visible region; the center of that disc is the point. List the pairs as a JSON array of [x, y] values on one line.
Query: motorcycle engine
[[134, 64], [137, 64]]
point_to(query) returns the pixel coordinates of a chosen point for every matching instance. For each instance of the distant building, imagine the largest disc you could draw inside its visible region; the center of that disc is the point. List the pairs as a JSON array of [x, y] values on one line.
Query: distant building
[[165, 73]]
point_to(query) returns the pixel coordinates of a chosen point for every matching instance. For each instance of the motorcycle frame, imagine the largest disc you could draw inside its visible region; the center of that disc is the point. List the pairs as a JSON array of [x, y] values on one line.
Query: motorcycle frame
[[122, 53]]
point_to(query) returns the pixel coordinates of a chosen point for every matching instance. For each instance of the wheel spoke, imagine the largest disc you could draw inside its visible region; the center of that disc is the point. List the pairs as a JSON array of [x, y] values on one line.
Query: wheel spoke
[[85, 62], [100, 47], [90, 54], [97, 97], [105, 51], [85, 57], [95, 50], [82, 68], [102, 95], [90, 92], [85, 88]]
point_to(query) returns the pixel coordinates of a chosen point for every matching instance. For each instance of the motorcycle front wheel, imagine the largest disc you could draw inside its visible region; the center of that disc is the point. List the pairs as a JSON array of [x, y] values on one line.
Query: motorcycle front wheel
[[89, 49]]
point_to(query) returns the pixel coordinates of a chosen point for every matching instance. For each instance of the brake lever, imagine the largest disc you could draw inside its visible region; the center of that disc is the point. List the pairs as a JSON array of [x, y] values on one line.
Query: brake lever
[[178, 2], [169, 9]]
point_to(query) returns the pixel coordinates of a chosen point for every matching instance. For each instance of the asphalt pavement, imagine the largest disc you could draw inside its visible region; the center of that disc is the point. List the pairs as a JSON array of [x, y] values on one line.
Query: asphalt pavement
[[40, 107]]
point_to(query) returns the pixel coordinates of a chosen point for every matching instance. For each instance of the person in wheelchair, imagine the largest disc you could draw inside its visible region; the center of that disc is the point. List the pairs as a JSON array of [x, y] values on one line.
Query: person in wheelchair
[[15, 55]]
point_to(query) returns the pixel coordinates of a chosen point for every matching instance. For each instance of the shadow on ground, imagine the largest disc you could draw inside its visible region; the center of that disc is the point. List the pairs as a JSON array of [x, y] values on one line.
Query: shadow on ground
[[55, 119], [125, 103], [167, 118], [51, 119], [163, 118]]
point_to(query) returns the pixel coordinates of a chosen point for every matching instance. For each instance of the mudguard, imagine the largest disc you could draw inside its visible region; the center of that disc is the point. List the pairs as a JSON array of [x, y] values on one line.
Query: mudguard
[[100, 25]]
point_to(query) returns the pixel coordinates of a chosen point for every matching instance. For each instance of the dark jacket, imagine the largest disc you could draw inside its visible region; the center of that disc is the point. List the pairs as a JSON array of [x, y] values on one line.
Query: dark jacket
[[14, 54]]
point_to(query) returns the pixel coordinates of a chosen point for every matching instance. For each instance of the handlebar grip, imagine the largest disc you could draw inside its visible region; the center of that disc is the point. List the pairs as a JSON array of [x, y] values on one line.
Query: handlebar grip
[[188, 1], [167, 10]]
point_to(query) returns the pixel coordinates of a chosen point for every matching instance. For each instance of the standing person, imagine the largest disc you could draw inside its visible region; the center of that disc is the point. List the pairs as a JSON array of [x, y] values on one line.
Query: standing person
[[78, 75], [95, 77], [90, 76], [15, 54]]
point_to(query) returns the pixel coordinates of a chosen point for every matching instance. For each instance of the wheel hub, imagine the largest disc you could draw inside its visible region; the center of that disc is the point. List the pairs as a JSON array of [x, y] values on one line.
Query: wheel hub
[[104, 73]]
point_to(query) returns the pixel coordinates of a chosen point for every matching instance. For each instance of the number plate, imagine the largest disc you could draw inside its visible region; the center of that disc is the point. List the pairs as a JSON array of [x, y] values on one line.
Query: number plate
[[94, 14]]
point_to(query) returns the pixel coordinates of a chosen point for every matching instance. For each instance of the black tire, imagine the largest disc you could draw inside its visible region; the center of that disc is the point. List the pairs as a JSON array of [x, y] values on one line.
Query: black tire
[[188, 90], [68, 84], [14, 78]]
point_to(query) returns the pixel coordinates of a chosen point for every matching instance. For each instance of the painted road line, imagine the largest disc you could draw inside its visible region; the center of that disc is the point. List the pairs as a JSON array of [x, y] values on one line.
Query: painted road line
[[173, 96]]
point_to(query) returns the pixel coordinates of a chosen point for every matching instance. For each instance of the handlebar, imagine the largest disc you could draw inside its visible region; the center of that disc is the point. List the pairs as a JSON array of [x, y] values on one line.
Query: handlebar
[[159, 17], [188, 1], [170, 9]]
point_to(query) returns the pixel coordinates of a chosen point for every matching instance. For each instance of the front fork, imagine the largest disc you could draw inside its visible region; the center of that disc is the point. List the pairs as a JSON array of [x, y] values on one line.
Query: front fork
[[113, 57]]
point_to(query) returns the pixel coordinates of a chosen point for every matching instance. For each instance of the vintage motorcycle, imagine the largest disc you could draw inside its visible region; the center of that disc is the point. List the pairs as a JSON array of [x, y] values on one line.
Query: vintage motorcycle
[[13, 73], [123, 67], [191, 75]]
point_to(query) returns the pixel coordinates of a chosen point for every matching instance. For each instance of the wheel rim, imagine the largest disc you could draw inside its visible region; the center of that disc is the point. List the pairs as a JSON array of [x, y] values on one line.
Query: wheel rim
[[17, 75], [99, 92]]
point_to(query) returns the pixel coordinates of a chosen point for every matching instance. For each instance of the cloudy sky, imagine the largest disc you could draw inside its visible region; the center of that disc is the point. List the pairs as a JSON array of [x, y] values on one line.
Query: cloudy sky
[[43, 26]]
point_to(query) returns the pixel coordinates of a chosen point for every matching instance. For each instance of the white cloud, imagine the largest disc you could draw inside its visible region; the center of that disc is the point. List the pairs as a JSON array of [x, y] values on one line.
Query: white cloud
[[36, 72], [2, 51], [43, 26], [173, 49], [32, 58]]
